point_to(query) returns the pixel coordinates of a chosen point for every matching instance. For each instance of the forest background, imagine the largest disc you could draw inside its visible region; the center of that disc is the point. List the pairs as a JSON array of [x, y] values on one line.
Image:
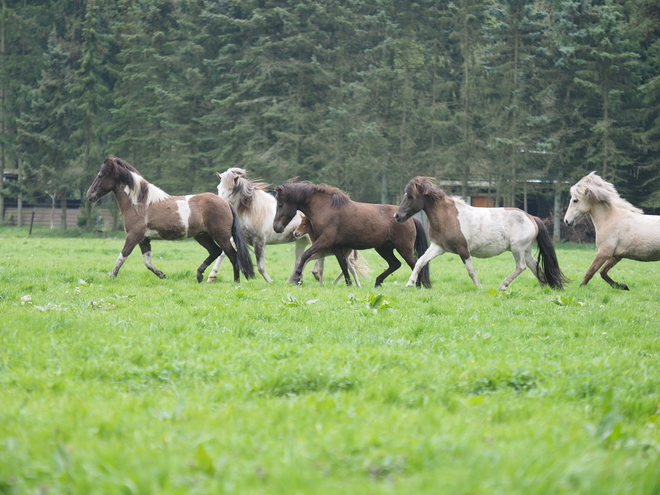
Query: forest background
[[359, 94]]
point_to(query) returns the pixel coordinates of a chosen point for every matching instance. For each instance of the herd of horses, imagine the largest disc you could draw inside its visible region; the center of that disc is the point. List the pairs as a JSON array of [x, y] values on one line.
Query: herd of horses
[[322, 220]]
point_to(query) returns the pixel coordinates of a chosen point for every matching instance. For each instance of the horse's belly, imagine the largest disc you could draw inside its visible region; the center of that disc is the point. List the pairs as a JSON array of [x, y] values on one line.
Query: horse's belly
[[487, 251]]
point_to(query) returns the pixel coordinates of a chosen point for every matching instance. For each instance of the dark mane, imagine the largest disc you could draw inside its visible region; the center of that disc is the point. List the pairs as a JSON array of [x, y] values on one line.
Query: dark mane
[[123, 172], [301, 192], [423, 186]]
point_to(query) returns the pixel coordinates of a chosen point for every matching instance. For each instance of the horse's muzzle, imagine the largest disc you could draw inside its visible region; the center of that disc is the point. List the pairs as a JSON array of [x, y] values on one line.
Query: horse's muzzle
[[278, 229], [399, 218]]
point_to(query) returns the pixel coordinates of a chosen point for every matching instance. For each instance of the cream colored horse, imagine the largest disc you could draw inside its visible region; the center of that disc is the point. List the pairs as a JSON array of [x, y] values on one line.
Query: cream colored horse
[[256, 210], [622, 230]]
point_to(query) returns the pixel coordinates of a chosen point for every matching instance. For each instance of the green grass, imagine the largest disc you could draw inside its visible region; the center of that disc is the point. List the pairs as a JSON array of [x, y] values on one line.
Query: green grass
[[142, 385]]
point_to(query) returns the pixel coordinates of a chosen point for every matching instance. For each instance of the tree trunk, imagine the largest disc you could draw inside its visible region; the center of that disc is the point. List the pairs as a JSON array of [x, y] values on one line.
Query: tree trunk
[[63, 212], [556, 226]]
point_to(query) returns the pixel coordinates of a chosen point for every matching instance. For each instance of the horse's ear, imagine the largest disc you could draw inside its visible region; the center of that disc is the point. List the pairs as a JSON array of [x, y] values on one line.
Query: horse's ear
[[219, 176], [236, 177]]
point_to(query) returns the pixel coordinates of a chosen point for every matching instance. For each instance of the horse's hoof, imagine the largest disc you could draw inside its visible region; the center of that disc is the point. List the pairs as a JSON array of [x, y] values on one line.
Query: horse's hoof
[[211, 279], [623, 287]]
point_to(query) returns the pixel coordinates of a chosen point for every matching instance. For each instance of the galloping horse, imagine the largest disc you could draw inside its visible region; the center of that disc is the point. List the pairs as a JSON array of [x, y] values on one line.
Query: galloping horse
[[456, 227], [353, 258], [256, 210], [340, 223], [151, 213], [622, 230]]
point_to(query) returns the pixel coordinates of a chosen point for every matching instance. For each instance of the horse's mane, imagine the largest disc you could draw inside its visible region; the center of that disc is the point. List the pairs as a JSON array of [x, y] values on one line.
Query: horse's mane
[[244, 188], [139, 190], [300, 192], [598, 190], [424, 186]]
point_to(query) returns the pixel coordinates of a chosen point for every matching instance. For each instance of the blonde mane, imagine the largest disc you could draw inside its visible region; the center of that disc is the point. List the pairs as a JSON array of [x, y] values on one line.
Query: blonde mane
[[597, 190]]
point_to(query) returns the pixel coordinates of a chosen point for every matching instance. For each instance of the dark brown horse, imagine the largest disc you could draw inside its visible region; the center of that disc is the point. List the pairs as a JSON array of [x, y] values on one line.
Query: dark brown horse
[[341, 224], [150, 213], [456, 227]]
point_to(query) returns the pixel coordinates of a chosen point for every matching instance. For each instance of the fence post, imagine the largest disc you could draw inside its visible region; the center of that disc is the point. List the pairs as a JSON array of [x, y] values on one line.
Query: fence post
[[31, 221]]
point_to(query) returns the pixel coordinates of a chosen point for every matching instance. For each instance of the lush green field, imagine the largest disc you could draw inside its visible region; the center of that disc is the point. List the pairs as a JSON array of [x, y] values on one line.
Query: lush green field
[[142, 385]]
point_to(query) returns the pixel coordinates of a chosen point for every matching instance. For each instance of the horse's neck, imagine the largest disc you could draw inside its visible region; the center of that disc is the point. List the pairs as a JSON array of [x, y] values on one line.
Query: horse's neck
[[262, 209], [123, 200], [602, 215]]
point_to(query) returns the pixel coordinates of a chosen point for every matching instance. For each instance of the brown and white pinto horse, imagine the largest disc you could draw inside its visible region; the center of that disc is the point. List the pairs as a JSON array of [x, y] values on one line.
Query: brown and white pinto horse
[[340, 224], [622, 230], [150, 213], [456, 227]]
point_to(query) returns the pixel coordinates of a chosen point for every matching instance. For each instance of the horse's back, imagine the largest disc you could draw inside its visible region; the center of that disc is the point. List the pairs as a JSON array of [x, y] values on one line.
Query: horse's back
[[491, 231], [635, 236], [368, 225]]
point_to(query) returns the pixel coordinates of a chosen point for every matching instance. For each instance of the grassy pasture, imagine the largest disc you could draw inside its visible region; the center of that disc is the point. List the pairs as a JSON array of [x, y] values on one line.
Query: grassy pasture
[[139, 385]]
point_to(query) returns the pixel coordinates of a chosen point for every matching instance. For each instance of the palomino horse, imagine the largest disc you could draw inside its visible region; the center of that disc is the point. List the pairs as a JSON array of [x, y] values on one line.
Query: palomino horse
[[150, 213], [622, 230], [353, 258], [342, 224], [256, 210], [456, 227]]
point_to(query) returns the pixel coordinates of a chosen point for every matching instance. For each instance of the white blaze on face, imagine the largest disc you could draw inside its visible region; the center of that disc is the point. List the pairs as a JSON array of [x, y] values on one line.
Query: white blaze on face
[[184, 212]]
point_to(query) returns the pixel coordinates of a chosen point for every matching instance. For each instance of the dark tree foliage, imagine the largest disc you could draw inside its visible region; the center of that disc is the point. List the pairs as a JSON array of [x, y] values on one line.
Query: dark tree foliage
[[360, 94]]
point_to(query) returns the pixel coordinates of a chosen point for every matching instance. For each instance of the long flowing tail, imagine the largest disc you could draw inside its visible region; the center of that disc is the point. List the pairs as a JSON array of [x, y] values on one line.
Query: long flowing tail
[[547, 258], [421, 245], [242, 252], [359, 263]]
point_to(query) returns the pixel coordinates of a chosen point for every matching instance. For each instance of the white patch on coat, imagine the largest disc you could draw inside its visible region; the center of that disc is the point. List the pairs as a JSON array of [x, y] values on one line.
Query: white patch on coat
[[152, 234], [184, 212]]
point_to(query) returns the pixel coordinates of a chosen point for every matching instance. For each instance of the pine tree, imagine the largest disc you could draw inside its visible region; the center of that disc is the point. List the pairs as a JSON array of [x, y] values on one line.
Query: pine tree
[[45, 129]]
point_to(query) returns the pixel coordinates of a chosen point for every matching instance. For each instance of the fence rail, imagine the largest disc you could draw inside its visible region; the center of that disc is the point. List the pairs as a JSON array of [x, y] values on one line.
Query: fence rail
[[42, 216]]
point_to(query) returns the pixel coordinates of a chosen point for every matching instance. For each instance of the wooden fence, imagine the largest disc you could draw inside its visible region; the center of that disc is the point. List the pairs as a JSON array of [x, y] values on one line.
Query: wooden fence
[[42, 216]]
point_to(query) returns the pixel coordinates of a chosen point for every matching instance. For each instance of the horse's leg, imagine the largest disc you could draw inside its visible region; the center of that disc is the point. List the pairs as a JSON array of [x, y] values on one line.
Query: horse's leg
[[341, 258], [348, 253], [260, 253], [206, 241], [519, 258], [351, 267], [129, 244], [534, 266], [387, 253], [317, 271], [609, 264], [472, 272], [145, 247], [433, 251], [601, 257], [216, 268], [296, 277], [299, 248]]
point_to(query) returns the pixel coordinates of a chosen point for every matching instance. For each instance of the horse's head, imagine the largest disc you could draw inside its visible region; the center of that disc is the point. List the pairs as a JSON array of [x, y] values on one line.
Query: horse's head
[[286, 207], [413, 198], [230, 183], [304, 227], [584, 193], [105, 180]]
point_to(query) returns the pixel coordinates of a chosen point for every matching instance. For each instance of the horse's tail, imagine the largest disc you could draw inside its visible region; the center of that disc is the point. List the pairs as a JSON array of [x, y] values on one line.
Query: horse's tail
[[421, 245], [359, 263], [242, 252], [547, 257]]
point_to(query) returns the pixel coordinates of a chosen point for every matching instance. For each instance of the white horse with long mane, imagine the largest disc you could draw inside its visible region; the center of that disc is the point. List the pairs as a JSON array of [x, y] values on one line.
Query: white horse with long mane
[[622, 230], [256, 209]]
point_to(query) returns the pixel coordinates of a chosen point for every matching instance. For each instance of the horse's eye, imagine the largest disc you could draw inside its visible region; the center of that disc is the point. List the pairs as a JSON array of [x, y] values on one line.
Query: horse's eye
[[575, 201]]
